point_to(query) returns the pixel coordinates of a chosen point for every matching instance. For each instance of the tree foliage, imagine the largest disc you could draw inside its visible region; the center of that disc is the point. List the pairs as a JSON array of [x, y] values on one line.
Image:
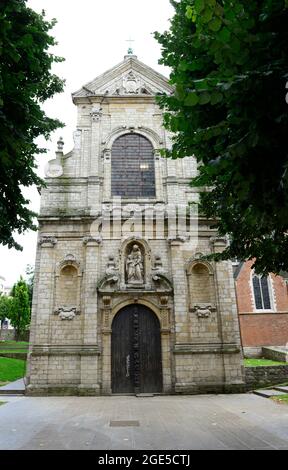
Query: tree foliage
[[229, 63], [5, 307], [20, 312], [26, 81]]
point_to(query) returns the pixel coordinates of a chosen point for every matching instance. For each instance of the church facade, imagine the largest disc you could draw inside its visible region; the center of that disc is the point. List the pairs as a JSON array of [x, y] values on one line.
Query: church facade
[[123, 301]]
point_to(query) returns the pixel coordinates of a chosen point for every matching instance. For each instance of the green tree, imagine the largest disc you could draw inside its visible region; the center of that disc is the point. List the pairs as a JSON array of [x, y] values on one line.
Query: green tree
[[229, 63], [5, 308], [20, 312], [26, 82]]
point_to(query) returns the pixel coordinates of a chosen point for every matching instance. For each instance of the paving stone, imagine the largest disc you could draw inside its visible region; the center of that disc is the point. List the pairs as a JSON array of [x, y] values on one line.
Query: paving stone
[[166, 422], [282, 389], [268, 393]]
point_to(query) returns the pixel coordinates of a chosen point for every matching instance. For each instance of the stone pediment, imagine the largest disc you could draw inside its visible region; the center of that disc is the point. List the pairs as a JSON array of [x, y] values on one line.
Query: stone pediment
[[130, 77]]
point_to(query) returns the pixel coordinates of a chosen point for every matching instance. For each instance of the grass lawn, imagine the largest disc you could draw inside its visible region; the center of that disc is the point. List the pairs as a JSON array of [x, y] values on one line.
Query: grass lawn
[[11, 369], [14, 346], [281, 399], [262, 362]]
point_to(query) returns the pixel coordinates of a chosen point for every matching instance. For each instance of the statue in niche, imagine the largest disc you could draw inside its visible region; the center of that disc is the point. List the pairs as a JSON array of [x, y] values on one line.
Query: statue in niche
[[134, 266]]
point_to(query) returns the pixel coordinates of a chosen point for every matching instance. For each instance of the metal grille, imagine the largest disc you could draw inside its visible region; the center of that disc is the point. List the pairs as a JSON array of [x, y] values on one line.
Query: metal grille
[[133, 171], [124, 424]]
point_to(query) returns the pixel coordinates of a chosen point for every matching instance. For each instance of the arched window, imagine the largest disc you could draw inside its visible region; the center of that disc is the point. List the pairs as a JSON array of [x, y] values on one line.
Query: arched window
[[133, 172], [261, 291]]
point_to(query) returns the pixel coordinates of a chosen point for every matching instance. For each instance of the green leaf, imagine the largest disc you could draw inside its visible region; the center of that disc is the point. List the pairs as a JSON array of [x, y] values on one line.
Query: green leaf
[[204, 98], [191, 99], [189, 12], [207, 15], [215, 24], [199, 6], [224, 35]]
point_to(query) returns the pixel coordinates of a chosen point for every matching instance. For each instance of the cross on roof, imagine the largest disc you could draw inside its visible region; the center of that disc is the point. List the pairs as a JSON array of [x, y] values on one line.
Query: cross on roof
[[130, 50]]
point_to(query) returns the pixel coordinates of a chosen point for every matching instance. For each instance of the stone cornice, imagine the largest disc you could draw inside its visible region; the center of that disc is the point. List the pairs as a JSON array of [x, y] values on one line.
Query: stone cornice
[[66, 350], [228, 348]]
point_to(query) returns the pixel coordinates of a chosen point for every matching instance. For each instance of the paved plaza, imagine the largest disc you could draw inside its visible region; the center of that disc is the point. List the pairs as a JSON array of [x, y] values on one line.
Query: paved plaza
[[128, 422]]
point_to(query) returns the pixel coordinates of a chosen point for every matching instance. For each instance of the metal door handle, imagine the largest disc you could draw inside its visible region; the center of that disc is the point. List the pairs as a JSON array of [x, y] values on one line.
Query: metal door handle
[[128, 365]]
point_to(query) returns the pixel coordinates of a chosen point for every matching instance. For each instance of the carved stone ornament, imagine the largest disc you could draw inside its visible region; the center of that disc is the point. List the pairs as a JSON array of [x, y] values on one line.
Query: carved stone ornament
[[92, 240], [131, 83], [158, 266], [203, 311], [178, 239], [107, 301], [134, 266], [159, 276], [48, 241], [53, 169], [96, 113], [112, 272], [67, 313]]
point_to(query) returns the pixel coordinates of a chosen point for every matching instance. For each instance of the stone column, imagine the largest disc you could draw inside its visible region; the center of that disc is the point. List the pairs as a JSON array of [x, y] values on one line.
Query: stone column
[[107, 175], [89, 361], [106, 345], [166, 344], [43, 303], [180, 290], [158, 176], [96, 115], [94, 160], [228, 318]]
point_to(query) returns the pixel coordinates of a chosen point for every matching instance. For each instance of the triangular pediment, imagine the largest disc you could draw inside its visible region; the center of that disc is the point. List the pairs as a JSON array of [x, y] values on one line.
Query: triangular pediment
[[130, 77]]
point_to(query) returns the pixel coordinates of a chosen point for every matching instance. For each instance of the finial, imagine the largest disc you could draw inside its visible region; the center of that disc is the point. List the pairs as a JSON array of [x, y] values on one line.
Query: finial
[[60, 144], [130, 50]]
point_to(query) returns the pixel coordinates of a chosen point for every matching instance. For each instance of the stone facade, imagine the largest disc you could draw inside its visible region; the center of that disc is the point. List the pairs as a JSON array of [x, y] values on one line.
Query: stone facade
[[82, 277]]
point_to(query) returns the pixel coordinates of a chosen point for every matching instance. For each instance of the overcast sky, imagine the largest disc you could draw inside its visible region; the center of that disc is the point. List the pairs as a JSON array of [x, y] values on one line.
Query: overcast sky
[[91, 35]]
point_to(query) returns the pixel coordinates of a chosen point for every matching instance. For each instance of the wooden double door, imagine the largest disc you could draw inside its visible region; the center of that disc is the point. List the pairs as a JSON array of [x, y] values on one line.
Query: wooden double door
[[136, 351]]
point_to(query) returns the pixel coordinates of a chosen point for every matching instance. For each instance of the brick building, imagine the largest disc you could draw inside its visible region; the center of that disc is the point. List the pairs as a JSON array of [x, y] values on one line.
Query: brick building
[[262, 307], [122, 302]]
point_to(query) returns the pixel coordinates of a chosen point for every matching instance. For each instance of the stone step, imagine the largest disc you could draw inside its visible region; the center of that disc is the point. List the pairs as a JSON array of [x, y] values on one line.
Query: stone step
[[282, 389], [12, 392], [268, 393]]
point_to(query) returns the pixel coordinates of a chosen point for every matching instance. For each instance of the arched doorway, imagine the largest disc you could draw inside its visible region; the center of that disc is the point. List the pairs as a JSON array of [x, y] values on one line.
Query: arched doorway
[[136, 351]]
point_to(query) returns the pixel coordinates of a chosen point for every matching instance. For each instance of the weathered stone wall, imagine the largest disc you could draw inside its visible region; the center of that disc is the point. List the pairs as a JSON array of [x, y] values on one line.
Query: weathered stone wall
[[9, 335], [73, 308], [258, 377], [276, 353]]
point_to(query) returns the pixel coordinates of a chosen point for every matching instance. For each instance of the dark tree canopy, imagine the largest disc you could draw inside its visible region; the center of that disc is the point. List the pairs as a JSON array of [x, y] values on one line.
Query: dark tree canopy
[[26, 82], [229, 63]]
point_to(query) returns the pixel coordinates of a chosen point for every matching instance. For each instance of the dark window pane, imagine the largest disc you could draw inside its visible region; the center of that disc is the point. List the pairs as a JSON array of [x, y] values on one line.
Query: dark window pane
[[257, 293], [133, 172], [265, 293]]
